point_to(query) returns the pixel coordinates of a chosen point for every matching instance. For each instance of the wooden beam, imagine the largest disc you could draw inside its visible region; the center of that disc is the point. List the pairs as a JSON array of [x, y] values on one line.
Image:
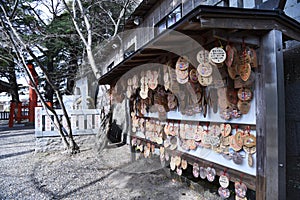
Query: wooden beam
[[152, 51], [144, 58], [171, 43], [237, 37], [132, 63], [248, 24]]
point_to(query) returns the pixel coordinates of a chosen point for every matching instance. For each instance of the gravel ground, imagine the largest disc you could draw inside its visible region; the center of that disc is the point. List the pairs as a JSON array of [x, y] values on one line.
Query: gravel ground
[[25, 174]]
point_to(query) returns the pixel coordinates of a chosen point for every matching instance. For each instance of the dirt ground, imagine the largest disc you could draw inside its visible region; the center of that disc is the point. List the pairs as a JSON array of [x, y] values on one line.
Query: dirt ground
[[25, 174]]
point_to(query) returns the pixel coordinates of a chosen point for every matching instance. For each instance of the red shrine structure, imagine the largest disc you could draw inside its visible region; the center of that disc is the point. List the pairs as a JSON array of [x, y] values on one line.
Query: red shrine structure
[[31, 106]]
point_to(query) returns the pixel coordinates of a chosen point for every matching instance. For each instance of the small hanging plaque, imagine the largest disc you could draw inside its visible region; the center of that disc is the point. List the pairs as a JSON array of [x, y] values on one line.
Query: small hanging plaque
[[217, 55]]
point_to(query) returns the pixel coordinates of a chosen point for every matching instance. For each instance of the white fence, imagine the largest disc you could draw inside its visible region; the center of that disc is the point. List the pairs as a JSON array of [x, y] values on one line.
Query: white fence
[[83, 122]]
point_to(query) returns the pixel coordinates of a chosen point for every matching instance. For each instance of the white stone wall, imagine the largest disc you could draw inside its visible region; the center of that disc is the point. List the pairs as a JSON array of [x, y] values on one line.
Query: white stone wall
[[292, 9]]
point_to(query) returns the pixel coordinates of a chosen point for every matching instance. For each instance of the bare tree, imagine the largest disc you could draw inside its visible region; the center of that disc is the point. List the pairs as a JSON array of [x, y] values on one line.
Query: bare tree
[[22, 50], [110, 14], [94, 21], [99, 22]]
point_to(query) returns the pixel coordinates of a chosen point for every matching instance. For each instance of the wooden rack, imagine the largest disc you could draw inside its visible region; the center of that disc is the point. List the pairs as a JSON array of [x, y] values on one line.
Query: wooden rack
[[248, 180]]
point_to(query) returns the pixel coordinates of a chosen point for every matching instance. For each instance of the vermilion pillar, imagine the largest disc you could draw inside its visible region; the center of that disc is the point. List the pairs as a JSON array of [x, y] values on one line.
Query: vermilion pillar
[[32, 93], [19, 113], [11, 114]]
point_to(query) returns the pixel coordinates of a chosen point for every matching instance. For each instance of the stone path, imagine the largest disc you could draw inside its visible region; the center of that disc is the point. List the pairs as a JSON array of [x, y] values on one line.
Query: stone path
[[25, 174]]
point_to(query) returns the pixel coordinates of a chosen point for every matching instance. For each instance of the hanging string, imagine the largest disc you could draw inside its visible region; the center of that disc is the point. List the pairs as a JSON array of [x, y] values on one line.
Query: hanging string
[[221, 44], [216, 42], [241, 178], [207, 125], [249, 129], [224, 171], [244, 50], [228, 41]]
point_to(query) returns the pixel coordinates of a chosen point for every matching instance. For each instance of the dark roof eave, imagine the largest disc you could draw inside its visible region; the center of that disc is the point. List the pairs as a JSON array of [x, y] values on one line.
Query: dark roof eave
[[256, 14], [219, 13]]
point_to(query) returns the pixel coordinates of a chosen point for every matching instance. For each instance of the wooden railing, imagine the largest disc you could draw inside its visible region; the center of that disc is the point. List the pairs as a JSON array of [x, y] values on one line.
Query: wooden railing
[[83, 122], [4, 115]]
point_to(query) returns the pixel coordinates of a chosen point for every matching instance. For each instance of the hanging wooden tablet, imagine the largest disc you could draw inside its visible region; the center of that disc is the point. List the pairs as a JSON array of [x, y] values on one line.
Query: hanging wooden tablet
[[203, 172], [244, 71], [205, 81], [144, 88], [224, 192], [230, 55], [211, 174], [245, 94], [225, 130], [217, 55], [253, 56], [240, 189], [193, 75], [196, 170], [250, 151], [224, 180], [239, 83], [153, 80], [203, 56], [244, 106], [205, 69], [182, 63]]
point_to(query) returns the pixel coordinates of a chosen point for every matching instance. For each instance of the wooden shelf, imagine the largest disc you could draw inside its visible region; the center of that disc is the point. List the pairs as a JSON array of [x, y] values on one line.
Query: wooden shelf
[[247, 179]]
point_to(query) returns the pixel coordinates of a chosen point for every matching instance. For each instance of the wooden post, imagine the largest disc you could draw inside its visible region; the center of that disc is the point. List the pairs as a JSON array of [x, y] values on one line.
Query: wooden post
[[11, 114], [270, 181], [19, 113]]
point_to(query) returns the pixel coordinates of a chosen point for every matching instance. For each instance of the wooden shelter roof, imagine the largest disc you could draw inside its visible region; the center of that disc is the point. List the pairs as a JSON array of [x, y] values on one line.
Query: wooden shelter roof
[[225, 23]]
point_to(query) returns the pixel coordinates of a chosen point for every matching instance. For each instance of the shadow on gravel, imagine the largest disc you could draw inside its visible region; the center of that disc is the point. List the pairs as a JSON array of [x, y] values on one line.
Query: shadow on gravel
[[14, 135], [54, 195], [16, 154], [85, 185], [141, 182], [113, 175]]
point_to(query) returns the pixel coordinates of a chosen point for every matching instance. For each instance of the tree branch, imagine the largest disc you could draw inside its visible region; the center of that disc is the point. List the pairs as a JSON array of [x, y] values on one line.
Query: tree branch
[[14, 9], [88, 42], [108, 14], [36, 14], [32, 80], [120, 18]]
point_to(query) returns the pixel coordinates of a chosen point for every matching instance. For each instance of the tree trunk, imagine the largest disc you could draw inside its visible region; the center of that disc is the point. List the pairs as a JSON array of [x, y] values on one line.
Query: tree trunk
[[20, 47], [14, 87], [48, 89]]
